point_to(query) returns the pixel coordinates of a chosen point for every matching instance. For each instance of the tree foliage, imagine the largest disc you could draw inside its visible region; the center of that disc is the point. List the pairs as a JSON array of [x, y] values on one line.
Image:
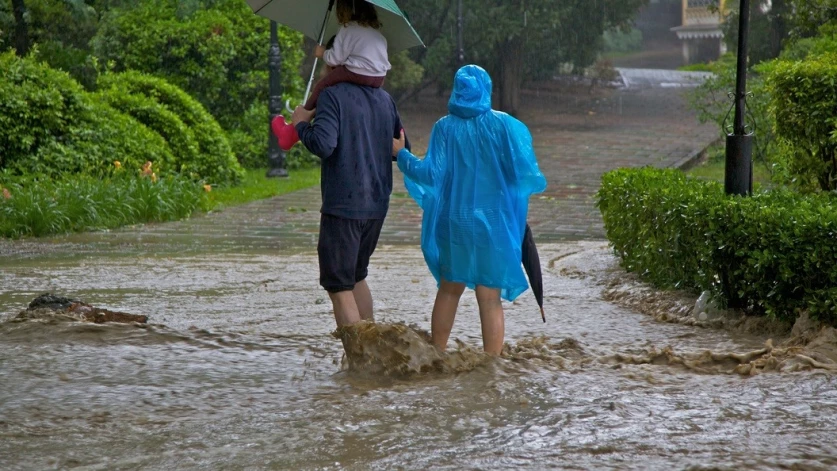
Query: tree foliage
[[514, 39], [218, 54], [777, 24]]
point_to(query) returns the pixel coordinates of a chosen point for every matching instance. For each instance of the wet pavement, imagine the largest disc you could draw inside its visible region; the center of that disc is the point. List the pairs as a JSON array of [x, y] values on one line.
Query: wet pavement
[[578, 136], [239, 369]]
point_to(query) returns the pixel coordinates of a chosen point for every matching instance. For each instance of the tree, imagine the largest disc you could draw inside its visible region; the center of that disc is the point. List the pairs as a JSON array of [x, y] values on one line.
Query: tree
[[217, 54], [808, 15], [775, 23], [21, 40], [61, 29], [516, 39]]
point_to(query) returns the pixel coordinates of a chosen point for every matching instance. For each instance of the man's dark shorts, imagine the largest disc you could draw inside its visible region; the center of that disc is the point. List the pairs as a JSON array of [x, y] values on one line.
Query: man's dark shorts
[[344, 250]]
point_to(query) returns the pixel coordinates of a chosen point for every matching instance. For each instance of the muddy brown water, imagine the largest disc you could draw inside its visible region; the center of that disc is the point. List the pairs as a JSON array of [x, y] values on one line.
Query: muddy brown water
[[239, 368]]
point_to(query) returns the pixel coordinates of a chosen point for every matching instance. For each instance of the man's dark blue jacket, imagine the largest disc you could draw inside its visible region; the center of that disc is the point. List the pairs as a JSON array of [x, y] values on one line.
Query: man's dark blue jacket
[[352, 133]]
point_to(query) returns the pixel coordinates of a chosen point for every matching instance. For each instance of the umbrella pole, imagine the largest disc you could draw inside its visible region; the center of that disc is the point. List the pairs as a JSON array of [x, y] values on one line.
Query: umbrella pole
[[320, 42]]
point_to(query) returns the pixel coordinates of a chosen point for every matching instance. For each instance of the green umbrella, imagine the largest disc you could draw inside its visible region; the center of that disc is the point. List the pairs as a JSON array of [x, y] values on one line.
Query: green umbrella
[[313, 18], [309, 16]]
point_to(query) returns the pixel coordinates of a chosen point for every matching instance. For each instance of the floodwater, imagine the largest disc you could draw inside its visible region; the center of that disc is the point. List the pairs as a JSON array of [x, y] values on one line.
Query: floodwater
[[239, 368]]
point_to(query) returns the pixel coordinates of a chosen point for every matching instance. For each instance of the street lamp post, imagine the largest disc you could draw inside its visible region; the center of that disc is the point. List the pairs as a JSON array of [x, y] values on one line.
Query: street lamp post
[[738, 171], [275, 156]]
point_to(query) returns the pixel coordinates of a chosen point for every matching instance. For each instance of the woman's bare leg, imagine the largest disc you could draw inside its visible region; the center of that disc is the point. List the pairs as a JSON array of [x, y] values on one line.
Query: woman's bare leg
[[491, 319], [444, 312]]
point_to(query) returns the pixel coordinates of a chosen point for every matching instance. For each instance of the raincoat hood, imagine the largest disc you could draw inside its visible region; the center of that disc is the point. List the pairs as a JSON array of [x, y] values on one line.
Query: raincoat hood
[[471, 92]]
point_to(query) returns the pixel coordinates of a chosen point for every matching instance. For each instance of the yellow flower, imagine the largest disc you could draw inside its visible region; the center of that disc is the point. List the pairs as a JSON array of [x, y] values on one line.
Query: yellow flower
[[154, 177], [207, 188], [146, 169], [117, 164]]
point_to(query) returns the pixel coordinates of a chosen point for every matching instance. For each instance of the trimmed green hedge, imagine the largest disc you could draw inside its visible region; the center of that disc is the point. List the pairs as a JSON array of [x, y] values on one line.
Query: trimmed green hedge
[[201, 144], [50, 126], [158, 118], [804, 105], [773, 253]]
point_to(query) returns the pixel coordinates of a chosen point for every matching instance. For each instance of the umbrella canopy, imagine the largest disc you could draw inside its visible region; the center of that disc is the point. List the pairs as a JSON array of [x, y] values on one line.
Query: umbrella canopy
[[532, 265], [306, 16]]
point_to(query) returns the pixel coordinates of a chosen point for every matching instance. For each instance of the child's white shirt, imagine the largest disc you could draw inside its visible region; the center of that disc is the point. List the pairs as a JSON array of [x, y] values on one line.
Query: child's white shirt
[[361, 49]]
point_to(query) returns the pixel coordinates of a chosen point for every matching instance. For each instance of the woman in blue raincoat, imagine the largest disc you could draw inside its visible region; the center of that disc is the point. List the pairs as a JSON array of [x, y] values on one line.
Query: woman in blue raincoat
[[473, 185]]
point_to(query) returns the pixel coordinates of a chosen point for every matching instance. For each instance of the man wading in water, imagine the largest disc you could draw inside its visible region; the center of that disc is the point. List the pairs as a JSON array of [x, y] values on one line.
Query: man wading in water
[[352, 134]]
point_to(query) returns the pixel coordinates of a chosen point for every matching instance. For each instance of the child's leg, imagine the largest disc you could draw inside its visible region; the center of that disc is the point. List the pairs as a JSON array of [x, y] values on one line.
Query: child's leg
[[365, 80], [491, 319], [337, 75], [444, 312]]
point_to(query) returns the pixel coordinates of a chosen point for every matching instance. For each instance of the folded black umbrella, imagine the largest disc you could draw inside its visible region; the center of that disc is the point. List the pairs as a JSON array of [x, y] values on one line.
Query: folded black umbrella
[[532, 265]]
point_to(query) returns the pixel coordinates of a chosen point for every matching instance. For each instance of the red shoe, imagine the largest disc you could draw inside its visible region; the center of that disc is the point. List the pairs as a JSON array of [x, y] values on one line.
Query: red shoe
[[285, 132]]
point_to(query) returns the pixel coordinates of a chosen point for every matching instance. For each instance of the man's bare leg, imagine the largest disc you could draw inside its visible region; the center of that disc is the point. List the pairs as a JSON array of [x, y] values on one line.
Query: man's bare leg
[[363, 300], [444, 312], [491, 319], [345, 308]]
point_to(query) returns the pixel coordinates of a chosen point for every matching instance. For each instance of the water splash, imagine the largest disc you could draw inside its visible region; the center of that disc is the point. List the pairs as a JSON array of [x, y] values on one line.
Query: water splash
[[401, 350]]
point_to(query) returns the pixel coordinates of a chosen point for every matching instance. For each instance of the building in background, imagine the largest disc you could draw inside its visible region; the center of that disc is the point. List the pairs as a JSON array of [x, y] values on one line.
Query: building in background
[[701, 33]]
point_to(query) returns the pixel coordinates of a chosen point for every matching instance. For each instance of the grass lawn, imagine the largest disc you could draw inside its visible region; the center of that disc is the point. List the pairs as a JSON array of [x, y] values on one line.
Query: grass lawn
[[257, 186], [713, 168]]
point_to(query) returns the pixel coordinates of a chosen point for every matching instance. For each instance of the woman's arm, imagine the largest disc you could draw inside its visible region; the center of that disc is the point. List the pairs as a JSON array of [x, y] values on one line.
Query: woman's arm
[[420, 170], [414, 168]]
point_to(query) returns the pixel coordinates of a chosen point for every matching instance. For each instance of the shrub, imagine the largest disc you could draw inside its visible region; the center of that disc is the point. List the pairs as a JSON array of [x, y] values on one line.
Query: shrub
[[217, 53], [804, 106], [622, 40], [213, 159], [789, 162], [108, 136], [50, 126], [773, 253], [404, 76], [159, 119], [37, 104], [824, 42]]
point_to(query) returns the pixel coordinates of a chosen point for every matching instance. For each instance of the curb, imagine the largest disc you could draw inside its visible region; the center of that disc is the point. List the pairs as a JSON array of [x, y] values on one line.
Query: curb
[[693, 157]]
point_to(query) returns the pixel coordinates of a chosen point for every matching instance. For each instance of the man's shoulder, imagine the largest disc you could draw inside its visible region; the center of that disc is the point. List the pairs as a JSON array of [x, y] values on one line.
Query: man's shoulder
[[346, 90]]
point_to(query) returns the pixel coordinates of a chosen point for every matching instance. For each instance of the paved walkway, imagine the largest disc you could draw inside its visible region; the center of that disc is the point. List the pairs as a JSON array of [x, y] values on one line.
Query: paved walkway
[[578, 137]]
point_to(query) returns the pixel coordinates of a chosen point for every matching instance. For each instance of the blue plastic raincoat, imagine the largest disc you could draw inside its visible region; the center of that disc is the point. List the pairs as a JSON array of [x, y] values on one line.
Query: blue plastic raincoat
[[474, 185]]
